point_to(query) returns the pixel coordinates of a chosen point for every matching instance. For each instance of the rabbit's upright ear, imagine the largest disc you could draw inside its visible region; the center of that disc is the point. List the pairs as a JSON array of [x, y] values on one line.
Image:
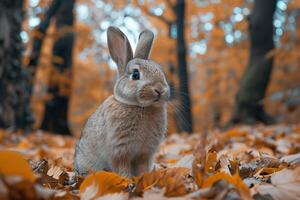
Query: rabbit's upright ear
[[119, 48], [144, 45]]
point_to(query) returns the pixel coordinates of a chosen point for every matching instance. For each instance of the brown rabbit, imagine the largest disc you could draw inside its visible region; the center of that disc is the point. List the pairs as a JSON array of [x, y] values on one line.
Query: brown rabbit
[[127, 128]]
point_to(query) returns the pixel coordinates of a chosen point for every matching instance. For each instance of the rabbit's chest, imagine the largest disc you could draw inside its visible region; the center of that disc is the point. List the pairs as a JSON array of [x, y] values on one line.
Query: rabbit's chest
[[149, 130], [139, 131], [145, 137], [142, 128]]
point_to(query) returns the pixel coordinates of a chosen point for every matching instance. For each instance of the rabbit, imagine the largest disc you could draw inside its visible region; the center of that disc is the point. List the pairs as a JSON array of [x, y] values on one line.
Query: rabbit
[[125, 131]]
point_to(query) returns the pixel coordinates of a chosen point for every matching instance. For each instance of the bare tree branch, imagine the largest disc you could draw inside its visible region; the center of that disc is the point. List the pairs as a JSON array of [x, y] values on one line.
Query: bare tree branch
[[162, 18]]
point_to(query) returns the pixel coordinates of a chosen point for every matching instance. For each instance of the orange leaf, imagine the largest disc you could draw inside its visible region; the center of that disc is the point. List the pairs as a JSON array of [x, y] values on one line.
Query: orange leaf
[[1, 135], [101, 183], [266, 171], [234, 133], [24, 144], [175, 186], [13, 164], [147, 180], [234, 180], [171, 178], [211, 161], [198, 173], [199, 163], [284, 184]]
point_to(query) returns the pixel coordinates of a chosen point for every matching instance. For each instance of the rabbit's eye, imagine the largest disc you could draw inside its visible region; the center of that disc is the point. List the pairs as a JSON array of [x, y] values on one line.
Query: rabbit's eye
[[135, 74]]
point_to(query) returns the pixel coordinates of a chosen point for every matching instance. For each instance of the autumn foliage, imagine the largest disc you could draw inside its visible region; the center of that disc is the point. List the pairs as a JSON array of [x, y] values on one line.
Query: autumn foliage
[[245, 162], [242, 163], [214, 76]]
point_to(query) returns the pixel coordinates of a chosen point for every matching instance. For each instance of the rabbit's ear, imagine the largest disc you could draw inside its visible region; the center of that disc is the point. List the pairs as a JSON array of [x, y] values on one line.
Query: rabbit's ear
[[144, 45], [119, 48]]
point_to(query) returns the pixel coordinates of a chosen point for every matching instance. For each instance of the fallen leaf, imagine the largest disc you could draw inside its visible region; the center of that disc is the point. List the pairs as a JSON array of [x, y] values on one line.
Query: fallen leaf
[[266, 171], [171, 178], [234, 180], [198, 167], [211, 161], [1, 134], [147, 180], [234, 133], [100, 183], [115, 196], [13, 164], [284, 184], [186, 161], [293, 159], [158, 194], [175, 186]]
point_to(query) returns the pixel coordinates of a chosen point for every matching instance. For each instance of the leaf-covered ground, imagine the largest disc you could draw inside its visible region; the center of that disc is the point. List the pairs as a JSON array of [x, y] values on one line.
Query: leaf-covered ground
[[242, 163]]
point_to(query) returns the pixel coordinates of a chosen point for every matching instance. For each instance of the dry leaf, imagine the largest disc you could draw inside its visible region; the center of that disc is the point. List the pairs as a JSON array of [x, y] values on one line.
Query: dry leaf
[[115, 196], [293, 159], [175, 186], [266, 171], [55, 172], [147, 180], [284, 184], [234, 180], [198, 169], [186, 162], [158, 194], [234, 133], [211, 161], [171, 178], [13, 164], [100, 183]]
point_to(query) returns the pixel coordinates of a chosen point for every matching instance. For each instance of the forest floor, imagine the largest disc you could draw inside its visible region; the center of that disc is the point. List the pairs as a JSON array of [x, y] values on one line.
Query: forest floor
[[242, 163]]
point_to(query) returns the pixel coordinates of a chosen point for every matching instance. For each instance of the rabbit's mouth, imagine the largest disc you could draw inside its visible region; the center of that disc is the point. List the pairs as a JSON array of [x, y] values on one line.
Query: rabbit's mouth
[[154, 101], [149, 102], [150, 95]]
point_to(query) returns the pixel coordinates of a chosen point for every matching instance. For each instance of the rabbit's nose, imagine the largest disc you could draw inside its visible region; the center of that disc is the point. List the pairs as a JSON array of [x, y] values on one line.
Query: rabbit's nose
[[157, 92]]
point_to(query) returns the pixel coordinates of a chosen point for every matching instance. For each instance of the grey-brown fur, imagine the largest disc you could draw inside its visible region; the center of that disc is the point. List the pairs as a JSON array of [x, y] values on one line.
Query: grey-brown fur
[[127, 128]]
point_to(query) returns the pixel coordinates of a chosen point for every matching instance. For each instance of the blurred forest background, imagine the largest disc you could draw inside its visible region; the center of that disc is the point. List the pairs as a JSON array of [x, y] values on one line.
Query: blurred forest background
[[215, 35]]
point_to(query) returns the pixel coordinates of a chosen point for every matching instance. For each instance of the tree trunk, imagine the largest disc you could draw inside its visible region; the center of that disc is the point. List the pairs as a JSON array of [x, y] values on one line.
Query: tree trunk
[[258, 72], [183, 115], [56, 109], [15, 109]]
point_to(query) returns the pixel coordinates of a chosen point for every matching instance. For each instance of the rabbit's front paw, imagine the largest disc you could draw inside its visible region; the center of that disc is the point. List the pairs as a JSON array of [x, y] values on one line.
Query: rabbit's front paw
[[122, 167], [140, 165]]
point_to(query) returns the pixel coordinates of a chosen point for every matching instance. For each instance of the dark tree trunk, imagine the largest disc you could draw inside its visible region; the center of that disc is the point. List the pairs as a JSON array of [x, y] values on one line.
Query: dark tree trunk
[[183, 115], [249, 99], [15, 109], [258, 72], [56, 109]]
